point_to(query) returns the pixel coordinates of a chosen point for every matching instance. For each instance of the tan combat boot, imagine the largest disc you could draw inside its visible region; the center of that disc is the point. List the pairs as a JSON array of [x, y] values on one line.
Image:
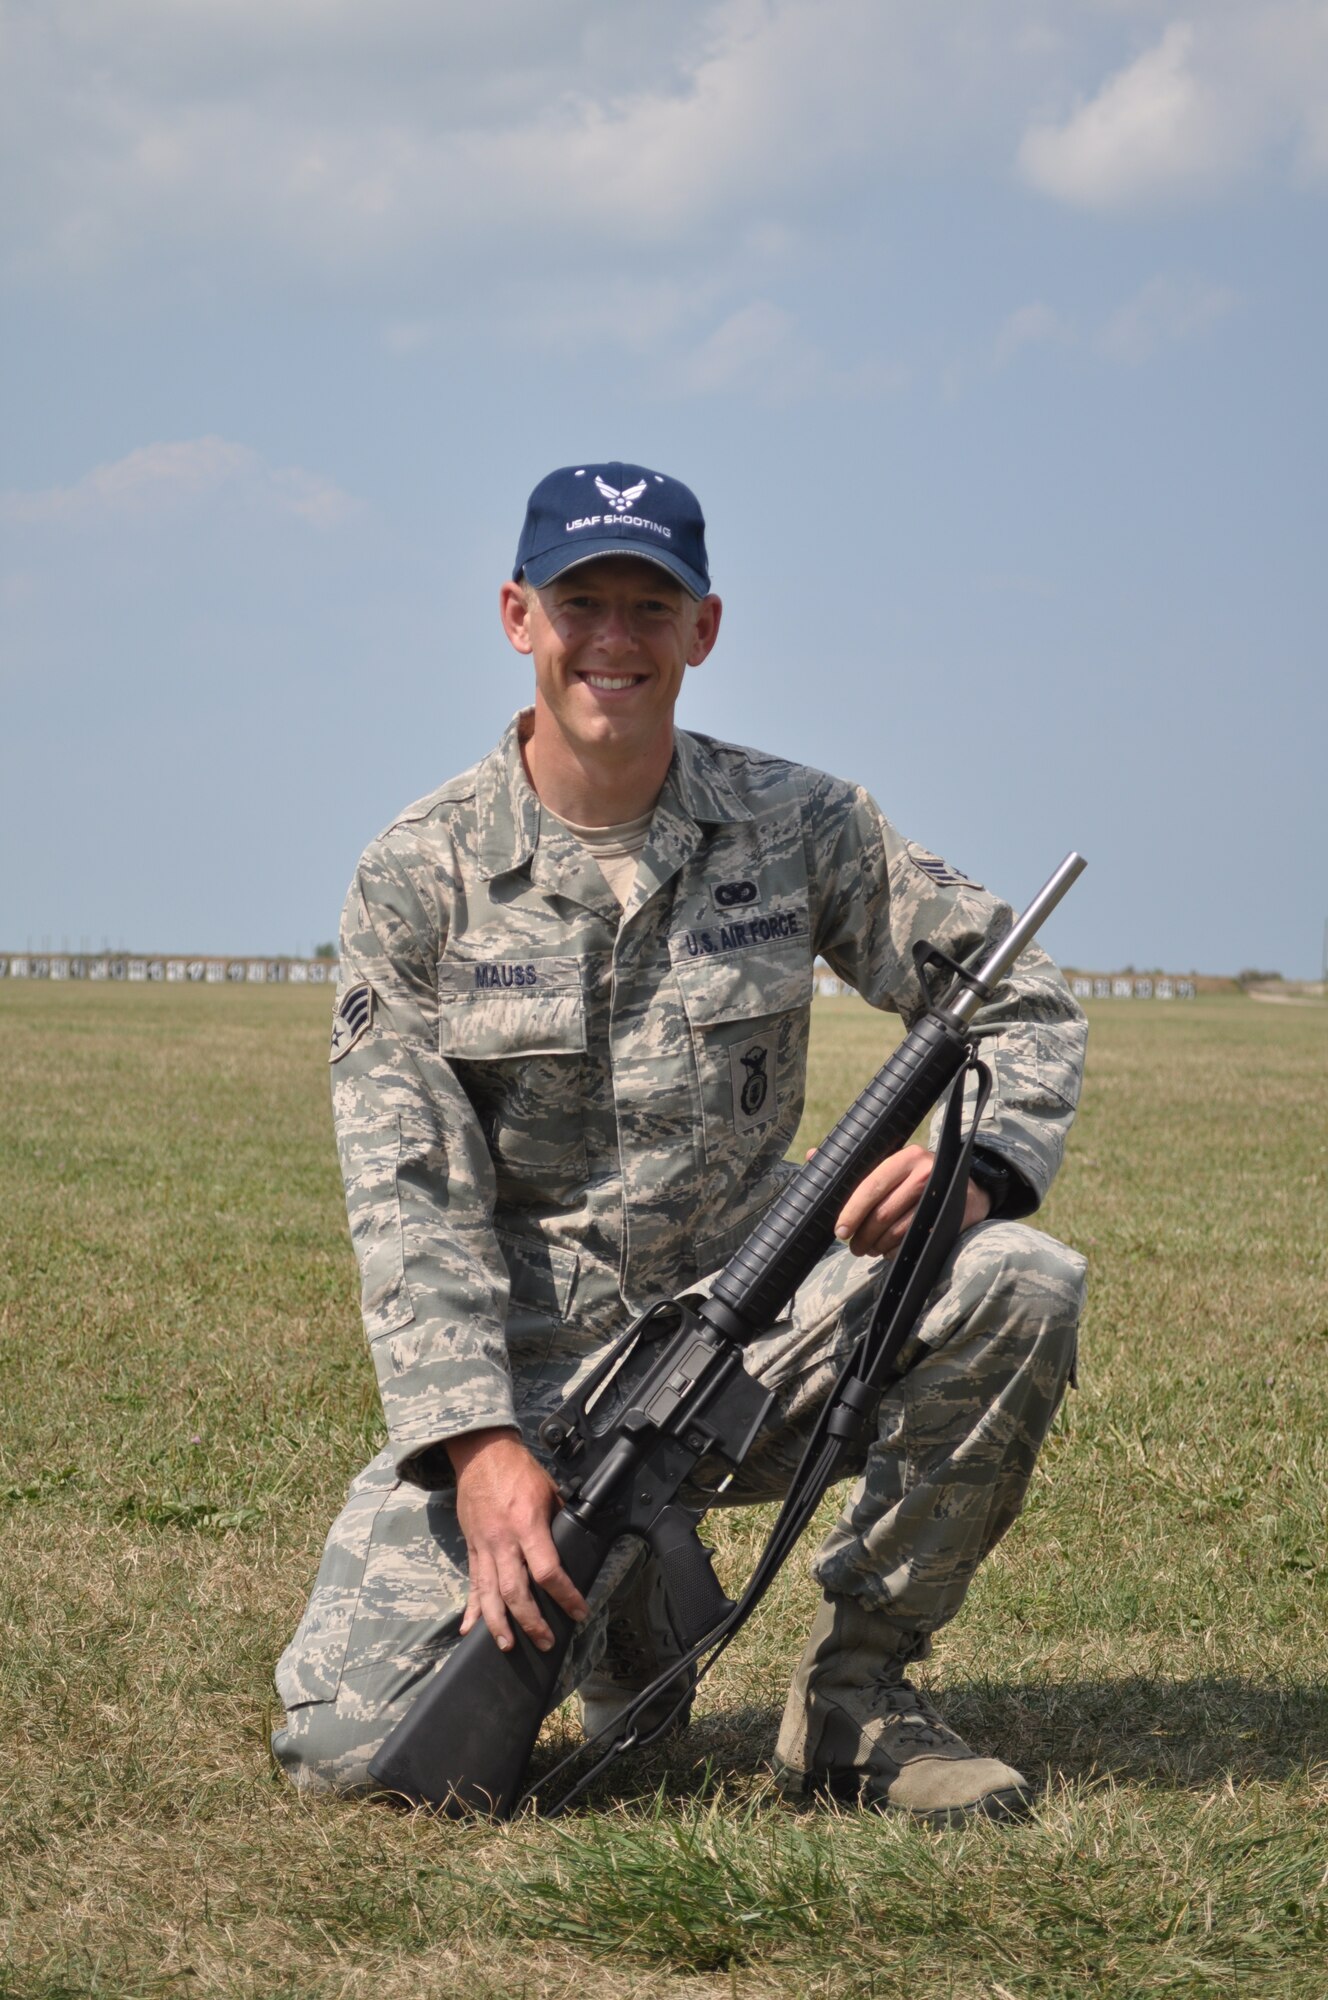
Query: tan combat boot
[[855, 1729], [640, 1642]]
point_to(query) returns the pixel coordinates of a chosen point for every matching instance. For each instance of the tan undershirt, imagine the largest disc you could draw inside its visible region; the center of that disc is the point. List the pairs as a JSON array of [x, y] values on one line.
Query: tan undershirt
[[614, 849]]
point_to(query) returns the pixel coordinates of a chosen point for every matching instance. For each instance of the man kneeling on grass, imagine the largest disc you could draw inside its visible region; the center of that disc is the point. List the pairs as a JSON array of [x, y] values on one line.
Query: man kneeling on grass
[[568, 1061]]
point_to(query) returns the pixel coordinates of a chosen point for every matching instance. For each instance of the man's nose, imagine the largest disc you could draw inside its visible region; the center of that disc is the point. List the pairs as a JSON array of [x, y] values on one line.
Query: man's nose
[[616, 629]]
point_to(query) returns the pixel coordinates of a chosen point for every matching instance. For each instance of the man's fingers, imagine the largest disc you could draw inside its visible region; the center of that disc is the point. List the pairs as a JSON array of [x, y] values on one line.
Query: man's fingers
[[890, 1218], [880, 1239], [486, 1601], [494, 1613], [873, 1191], [501, 1592], [505, 1501], [496, 1606], [875, 1218], [521, 1605], [549, 1574]]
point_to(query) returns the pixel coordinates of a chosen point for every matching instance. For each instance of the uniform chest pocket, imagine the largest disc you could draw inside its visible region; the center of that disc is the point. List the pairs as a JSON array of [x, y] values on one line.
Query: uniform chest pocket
[[515, 1031], [748, 1011]]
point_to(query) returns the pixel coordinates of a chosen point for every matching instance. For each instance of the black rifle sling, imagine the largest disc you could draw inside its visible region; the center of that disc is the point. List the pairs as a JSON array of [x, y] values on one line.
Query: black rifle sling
[[916, 1269], [849, 1411], [844, 1421]]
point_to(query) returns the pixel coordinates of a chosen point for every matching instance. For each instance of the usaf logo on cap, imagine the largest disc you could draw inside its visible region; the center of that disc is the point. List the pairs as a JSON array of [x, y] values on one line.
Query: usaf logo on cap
[[621, 499], [354, 1014]]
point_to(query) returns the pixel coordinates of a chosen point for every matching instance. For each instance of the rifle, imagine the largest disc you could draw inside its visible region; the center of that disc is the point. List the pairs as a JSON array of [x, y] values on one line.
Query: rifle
[[677, 1393]]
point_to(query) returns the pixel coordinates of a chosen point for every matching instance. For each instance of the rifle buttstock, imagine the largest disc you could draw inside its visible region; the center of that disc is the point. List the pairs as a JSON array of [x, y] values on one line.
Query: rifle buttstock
[[446, 1752]]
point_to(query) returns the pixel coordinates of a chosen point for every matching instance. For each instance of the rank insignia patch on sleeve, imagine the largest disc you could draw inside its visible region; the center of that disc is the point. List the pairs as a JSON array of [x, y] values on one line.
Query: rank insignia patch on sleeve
[[939, 871], [354, 1013]]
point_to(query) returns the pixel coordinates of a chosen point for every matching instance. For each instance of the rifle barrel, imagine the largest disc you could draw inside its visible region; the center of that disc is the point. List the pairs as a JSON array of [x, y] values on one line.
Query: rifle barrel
[[964, 1005]]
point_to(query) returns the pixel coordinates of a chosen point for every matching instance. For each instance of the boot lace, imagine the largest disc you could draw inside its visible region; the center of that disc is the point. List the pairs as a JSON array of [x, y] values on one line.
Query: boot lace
[[626, 1657], [908, 1708]]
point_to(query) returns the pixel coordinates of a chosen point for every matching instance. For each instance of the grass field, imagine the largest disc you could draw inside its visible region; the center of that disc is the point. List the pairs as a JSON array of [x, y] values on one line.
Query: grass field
[[186, 1394]]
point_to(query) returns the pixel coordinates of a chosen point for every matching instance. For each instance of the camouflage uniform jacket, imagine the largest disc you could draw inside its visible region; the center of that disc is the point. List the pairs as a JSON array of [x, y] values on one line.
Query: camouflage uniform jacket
[[552, 1110]]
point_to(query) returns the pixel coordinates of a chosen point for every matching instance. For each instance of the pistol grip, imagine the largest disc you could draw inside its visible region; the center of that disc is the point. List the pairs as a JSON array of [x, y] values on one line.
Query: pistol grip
[[696, 1598]]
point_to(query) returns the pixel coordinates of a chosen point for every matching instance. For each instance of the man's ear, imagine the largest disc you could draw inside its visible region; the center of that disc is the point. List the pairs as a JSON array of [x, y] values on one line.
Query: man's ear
[[514, 610], [706, 630]]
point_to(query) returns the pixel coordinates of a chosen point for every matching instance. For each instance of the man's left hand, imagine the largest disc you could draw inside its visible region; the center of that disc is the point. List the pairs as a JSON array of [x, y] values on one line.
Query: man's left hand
[[874, 1220]]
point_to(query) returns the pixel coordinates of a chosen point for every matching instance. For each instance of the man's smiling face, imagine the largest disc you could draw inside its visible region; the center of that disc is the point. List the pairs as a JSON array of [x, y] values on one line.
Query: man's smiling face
[[611, 640]]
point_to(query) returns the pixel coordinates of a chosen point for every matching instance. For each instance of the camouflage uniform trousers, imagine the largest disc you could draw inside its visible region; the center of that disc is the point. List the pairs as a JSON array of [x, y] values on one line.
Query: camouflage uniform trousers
[[944, 1479]]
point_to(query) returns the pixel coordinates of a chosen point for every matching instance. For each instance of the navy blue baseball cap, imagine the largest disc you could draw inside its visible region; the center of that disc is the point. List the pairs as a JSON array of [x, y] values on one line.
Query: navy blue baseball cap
[[582, 511]]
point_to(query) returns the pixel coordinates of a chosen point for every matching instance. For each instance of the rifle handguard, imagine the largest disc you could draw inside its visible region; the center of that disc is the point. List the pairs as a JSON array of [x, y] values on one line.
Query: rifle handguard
[[795, 1231]]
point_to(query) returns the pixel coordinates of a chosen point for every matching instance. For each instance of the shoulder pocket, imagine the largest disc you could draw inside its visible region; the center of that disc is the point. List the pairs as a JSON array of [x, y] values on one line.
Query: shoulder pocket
[[494, 1009]]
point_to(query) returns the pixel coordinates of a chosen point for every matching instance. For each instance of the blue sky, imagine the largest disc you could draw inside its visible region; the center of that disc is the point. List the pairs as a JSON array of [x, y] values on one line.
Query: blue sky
[[991, 336]]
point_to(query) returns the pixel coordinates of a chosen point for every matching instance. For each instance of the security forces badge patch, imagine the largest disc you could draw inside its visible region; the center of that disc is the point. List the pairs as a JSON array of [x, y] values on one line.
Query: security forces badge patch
[[755, 1094], [354, 1014]]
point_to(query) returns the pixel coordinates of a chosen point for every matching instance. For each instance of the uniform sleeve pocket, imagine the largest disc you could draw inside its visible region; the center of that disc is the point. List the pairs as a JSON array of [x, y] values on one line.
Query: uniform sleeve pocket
[[1060, 1062], [1038, 1070]]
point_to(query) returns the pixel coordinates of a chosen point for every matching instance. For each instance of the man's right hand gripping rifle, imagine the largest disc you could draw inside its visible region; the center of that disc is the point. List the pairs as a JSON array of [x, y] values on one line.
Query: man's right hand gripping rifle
[[506, 1502]]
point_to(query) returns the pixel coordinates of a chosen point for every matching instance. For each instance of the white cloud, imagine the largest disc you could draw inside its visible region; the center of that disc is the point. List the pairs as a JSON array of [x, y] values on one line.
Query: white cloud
[[1155, 126], [1166, 311], [326, 138], [350, 137], [163, 478], [1214, 100], [409, 336], [1171, 308], [1032, 325], [757, 348], [759, 351], [316, 141]]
